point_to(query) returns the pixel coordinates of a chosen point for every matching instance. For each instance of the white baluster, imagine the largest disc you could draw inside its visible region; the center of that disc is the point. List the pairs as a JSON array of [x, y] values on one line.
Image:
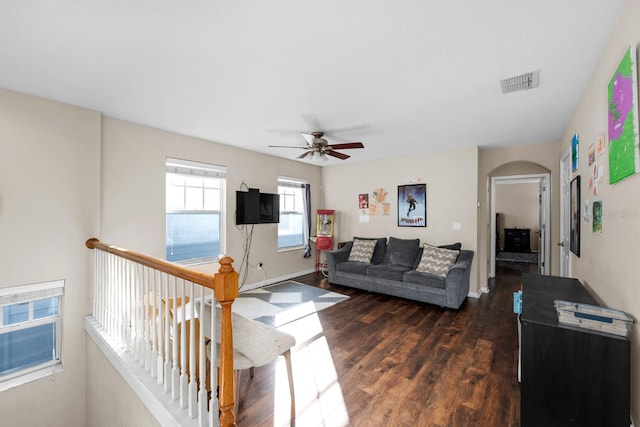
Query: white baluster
[[213, 367], [161, 331], [184, 375], [193, 384], [202, 394], [148, 324], [175, 371], [167, 337]]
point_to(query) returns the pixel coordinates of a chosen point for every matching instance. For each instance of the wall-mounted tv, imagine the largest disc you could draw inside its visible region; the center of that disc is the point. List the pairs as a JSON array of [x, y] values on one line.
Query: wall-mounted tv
[[254, 207]]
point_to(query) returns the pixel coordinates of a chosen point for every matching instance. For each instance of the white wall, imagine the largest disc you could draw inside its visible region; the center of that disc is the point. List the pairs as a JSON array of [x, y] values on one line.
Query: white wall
[[608, 263], [111, 401], [133, 194], [450, 177], [517, 204], [49, 206]]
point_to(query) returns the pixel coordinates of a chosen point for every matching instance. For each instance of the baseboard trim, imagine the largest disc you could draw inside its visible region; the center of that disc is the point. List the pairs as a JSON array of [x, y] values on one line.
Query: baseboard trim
[[475, 295], [273, 280]]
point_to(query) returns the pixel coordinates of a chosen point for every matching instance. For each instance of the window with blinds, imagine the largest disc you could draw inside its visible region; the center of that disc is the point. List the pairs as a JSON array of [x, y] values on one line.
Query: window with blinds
[[194, 210], [291, 227], [30, 329]]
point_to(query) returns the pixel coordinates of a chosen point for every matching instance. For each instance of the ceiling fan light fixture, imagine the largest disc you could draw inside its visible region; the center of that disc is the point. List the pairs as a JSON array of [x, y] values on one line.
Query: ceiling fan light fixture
[[317, 157]]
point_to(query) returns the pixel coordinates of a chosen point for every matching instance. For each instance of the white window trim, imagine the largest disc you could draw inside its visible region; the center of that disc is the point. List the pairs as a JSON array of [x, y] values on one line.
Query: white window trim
[[188, 167], [284, 181], [25, 293]]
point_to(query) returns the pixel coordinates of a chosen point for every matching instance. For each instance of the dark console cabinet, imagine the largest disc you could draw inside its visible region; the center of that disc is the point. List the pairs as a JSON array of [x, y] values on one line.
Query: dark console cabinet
[[517, 240], [569, 376]]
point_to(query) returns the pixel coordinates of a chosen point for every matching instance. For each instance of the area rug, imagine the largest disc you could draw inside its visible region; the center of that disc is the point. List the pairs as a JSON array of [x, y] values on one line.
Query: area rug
[[284, 302], [528, 257]]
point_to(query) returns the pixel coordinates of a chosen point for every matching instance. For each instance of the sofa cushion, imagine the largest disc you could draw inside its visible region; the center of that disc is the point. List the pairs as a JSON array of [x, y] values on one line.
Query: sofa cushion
[[423, 279], [362, 251], [353, 267], [436, 260], [378, 252], [402, 251], [452, 246], [387, 271]]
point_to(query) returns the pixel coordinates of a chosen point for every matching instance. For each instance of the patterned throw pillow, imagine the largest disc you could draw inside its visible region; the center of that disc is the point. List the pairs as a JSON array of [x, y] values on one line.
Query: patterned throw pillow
[[436, 260], [362, 250]]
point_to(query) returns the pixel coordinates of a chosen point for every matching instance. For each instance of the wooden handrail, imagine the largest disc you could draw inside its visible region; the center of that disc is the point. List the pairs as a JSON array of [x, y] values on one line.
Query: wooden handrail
[[225, 287], [155, 263]]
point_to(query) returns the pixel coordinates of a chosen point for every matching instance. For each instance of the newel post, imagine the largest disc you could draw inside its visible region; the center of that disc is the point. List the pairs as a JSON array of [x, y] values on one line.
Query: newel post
[[226, 291]]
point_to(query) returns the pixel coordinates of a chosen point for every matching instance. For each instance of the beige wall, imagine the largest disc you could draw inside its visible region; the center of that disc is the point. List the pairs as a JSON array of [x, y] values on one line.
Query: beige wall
[[519, 160], [608, 263], [517, 205], [110, 400], [133, 193], [49, 206], [450, 177]]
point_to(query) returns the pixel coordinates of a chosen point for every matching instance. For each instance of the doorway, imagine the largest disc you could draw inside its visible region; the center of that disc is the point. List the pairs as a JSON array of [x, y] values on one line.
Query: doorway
[[540, 209]]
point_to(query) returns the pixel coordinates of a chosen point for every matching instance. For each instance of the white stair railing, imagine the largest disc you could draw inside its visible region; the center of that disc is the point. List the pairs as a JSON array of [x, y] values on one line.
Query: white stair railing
[[161, 313]]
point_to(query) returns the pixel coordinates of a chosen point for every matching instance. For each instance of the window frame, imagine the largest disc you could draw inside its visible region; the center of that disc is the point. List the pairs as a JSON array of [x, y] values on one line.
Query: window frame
[[192, 169], [296, 183], [30, 294]]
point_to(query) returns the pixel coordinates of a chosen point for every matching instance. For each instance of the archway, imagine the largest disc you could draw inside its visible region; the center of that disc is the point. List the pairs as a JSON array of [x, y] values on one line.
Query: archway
[[525, 175]]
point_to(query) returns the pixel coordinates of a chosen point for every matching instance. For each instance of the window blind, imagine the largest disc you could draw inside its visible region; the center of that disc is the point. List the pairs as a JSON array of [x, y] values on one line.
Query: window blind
[[187, 167]]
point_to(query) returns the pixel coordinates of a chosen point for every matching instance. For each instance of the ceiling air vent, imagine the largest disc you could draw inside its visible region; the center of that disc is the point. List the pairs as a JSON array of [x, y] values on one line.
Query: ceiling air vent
[[522, 82]]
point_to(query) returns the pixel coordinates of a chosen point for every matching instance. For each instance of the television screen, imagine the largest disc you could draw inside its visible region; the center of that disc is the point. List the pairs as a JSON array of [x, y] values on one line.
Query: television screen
[[269, 208], [248, 207], [253, 207]]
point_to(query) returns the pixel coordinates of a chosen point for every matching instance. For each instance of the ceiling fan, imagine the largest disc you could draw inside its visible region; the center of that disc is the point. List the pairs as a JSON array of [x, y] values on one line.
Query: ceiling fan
[[319, 148]]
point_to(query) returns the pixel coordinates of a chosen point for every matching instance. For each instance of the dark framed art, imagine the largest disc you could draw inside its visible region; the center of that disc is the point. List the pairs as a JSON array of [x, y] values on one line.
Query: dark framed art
[[412, 205], [575, 216]]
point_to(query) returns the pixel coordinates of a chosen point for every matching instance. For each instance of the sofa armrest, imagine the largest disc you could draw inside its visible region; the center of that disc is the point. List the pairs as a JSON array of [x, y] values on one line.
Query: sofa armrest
[[336, 257], [457, 280]]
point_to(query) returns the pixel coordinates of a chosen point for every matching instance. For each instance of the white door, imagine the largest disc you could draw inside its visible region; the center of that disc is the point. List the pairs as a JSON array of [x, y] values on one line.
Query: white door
[[543, 260], [565, 214]]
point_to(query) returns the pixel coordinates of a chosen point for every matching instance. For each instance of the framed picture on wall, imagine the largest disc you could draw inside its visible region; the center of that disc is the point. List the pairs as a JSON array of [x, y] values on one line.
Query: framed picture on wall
[[575, 216], [412, 205]]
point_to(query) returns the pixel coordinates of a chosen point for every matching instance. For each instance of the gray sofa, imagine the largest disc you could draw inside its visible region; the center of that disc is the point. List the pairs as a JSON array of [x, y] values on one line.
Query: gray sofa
[[392, 271]]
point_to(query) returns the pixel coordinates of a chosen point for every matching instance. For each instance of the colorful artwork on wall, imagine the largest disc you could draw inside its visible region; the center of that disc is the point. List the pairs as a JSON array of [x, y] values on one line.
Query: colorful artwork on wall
[[363, 201], [624, 150], [380, 195], [575, 142], [412, 205], [601, 146], [597, 216], [586, 211]]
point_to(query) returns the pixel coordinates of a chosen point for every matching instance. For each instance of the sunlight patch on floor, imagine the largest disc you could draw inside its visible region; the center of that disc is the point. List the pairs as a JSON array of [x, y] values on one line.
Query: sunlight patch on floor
[[318, 395]]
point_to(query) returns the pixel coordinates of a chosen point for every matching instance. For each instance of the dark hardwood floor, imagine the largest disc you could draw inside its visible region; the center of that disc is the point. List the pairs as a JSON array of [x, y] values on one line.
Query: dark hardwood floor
[[375, 360]]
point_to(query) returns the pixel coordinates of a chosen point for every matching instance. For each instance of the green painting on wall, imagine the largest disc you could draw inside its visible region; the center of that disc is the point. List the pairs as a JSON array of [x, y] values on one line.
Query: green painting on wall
[[624, 151]]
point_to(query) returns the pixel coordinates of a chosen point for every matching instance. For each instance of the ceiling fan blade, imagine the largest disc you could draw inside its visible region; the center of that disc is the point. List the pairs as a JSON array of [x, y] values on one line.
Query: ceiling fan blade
[[347, 145], [303, 155], [309, 138], [340, 156], [287, 146]]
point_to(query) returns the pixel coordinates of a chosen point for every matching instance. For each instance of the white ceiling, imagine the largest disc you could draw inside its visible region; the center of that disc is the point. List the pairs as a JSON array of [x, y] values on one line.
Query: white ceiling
[[401, 76]]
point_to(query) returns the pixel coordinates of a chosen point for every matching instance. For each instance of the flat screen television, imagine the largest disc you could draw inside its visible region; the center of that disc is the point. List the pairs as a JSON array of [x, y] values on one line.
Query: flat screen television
[[269, 208], [253, 207]]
